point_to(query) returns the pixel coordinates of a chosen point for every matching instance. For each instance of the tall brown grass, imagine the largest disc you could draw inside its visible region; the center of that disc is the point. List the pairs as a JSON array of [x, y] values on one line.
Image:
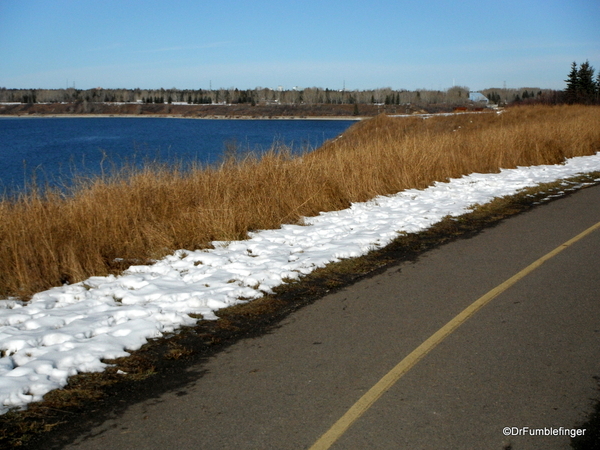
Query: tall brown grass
[[49, 237]]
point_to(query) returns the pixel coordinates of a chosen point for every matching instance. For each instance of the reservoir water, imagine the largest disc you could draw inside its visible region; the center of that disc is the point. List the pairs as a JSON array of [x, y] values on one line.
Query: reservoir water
[[53, 149]]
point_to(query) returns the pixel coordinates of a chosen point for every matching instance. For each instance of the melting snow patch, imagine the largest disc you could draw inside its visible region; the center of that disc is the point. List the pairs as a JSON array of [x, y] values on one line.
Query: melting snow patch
[[72, 329]]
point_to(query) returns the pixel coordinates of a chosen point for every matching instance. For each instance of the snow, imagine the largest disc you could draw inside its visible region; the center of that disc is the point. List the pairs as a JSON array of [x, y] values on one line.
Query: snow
[[73, 328]]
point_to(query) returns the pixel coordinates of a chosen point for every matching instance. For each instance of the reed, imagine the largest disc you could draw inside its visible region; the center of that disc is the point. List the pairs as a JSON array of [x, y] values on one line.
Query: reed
[[49, 237]]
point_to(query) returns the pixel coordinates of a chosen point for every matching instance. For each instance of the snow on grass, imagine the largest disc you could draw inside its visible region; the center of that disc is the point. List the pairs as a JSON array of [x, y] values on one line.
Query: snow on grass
[[72, 328]]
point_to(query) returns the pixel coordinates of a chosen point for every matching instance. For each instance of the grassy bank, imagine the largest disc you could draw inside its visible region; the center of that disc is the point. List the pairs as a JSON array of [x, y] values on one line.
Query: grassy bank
[[103, 225]]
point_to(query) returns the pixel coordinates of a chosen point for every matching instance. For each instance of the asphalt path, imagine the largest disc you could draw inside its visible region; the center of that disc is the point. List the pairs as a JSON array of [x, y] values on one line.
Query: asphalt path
[[527, 358]]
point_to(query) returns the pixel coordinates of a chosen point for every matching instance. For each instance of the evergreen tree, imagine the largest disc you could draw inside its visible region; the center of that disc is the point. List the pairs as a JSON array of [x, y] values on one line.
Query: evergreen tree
[[581, 87], [572, 81], [587, 85]]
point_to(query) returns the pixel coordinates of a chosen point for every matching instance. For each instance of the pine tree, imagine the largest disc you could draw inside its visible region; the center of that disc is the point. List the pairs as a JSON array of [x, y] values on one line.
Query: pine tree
[[572, 84], [581, 87], [587, 86]]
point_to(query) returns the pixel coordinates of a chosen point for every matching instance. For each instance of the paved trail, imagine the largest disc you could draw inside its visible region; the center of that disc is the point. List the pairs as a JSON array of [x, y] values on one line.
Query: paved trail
[[526, 359]]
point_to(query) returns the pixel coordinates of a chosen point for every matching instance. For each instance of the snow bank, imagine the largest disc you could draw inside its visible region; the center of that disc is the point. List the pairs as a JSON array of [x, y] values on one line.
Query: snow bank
[[71, 329]]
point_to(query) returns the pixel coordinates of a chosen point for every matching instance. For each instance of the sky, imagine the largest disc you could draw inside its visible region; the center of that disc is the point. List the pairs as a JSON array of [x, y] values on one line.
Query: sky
[[352, 44]]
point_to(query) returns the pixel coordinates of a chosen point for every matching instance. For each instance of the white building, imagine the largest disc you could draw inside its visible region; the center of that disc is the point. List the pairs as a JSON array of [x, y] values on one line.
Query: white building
[[478, 97]]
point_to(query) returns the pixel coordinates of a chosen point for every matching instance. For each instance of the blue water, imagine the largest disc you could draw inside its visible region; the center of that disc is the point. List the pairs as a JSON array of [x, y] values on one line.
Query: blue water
[[54, 149]]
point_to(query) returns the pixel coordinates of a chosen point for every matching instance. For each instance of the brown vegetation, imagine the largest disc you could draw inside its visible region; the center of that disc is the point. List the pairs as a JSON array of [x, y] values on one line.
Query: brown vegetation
[[49, 237], [240, 110], [192, 111]]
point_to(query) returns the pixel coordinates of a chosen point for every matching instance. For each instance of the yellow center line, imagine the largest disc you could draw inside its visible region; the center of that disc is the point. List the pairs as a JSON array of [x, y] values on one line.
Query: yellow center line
[[373, 394]]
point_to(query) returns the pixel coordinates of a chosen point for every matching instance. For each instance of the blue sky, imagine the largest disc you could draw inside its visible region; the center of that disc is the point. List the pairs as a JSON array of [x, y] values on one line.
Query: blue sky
[[365, 44]]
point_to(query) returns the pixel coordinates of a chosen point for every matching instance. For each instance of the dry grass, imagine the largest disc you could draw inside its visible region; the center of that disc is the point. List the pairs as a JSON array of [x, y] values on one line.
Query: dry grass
[[48, 237]]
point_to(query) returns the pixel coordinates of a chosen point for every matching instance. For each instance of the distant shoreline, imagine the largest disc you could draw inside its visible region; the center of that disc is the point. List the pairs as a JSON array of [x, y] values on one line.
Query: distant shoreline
[[175, 116], [321, 111]]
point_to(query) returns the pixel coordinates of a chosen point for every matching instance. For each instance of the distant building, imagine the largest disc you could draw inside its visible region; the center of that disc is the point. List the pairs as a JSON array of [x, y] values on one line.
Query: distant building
[[478, 97]]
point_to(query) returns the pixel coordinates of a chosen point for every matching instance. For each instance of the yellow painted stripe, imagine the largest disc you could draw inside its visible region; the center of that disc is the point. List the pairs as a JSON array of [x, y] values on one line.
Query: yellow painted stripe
[[373, 394]]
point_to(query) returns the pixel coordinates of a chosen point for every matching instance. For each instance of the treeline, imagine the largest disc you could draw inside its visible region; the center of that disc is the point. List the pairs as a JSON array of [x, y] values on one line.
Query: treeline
[[232, 95], [457, 95], [582, 88], [581, 85], [505, 96]]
